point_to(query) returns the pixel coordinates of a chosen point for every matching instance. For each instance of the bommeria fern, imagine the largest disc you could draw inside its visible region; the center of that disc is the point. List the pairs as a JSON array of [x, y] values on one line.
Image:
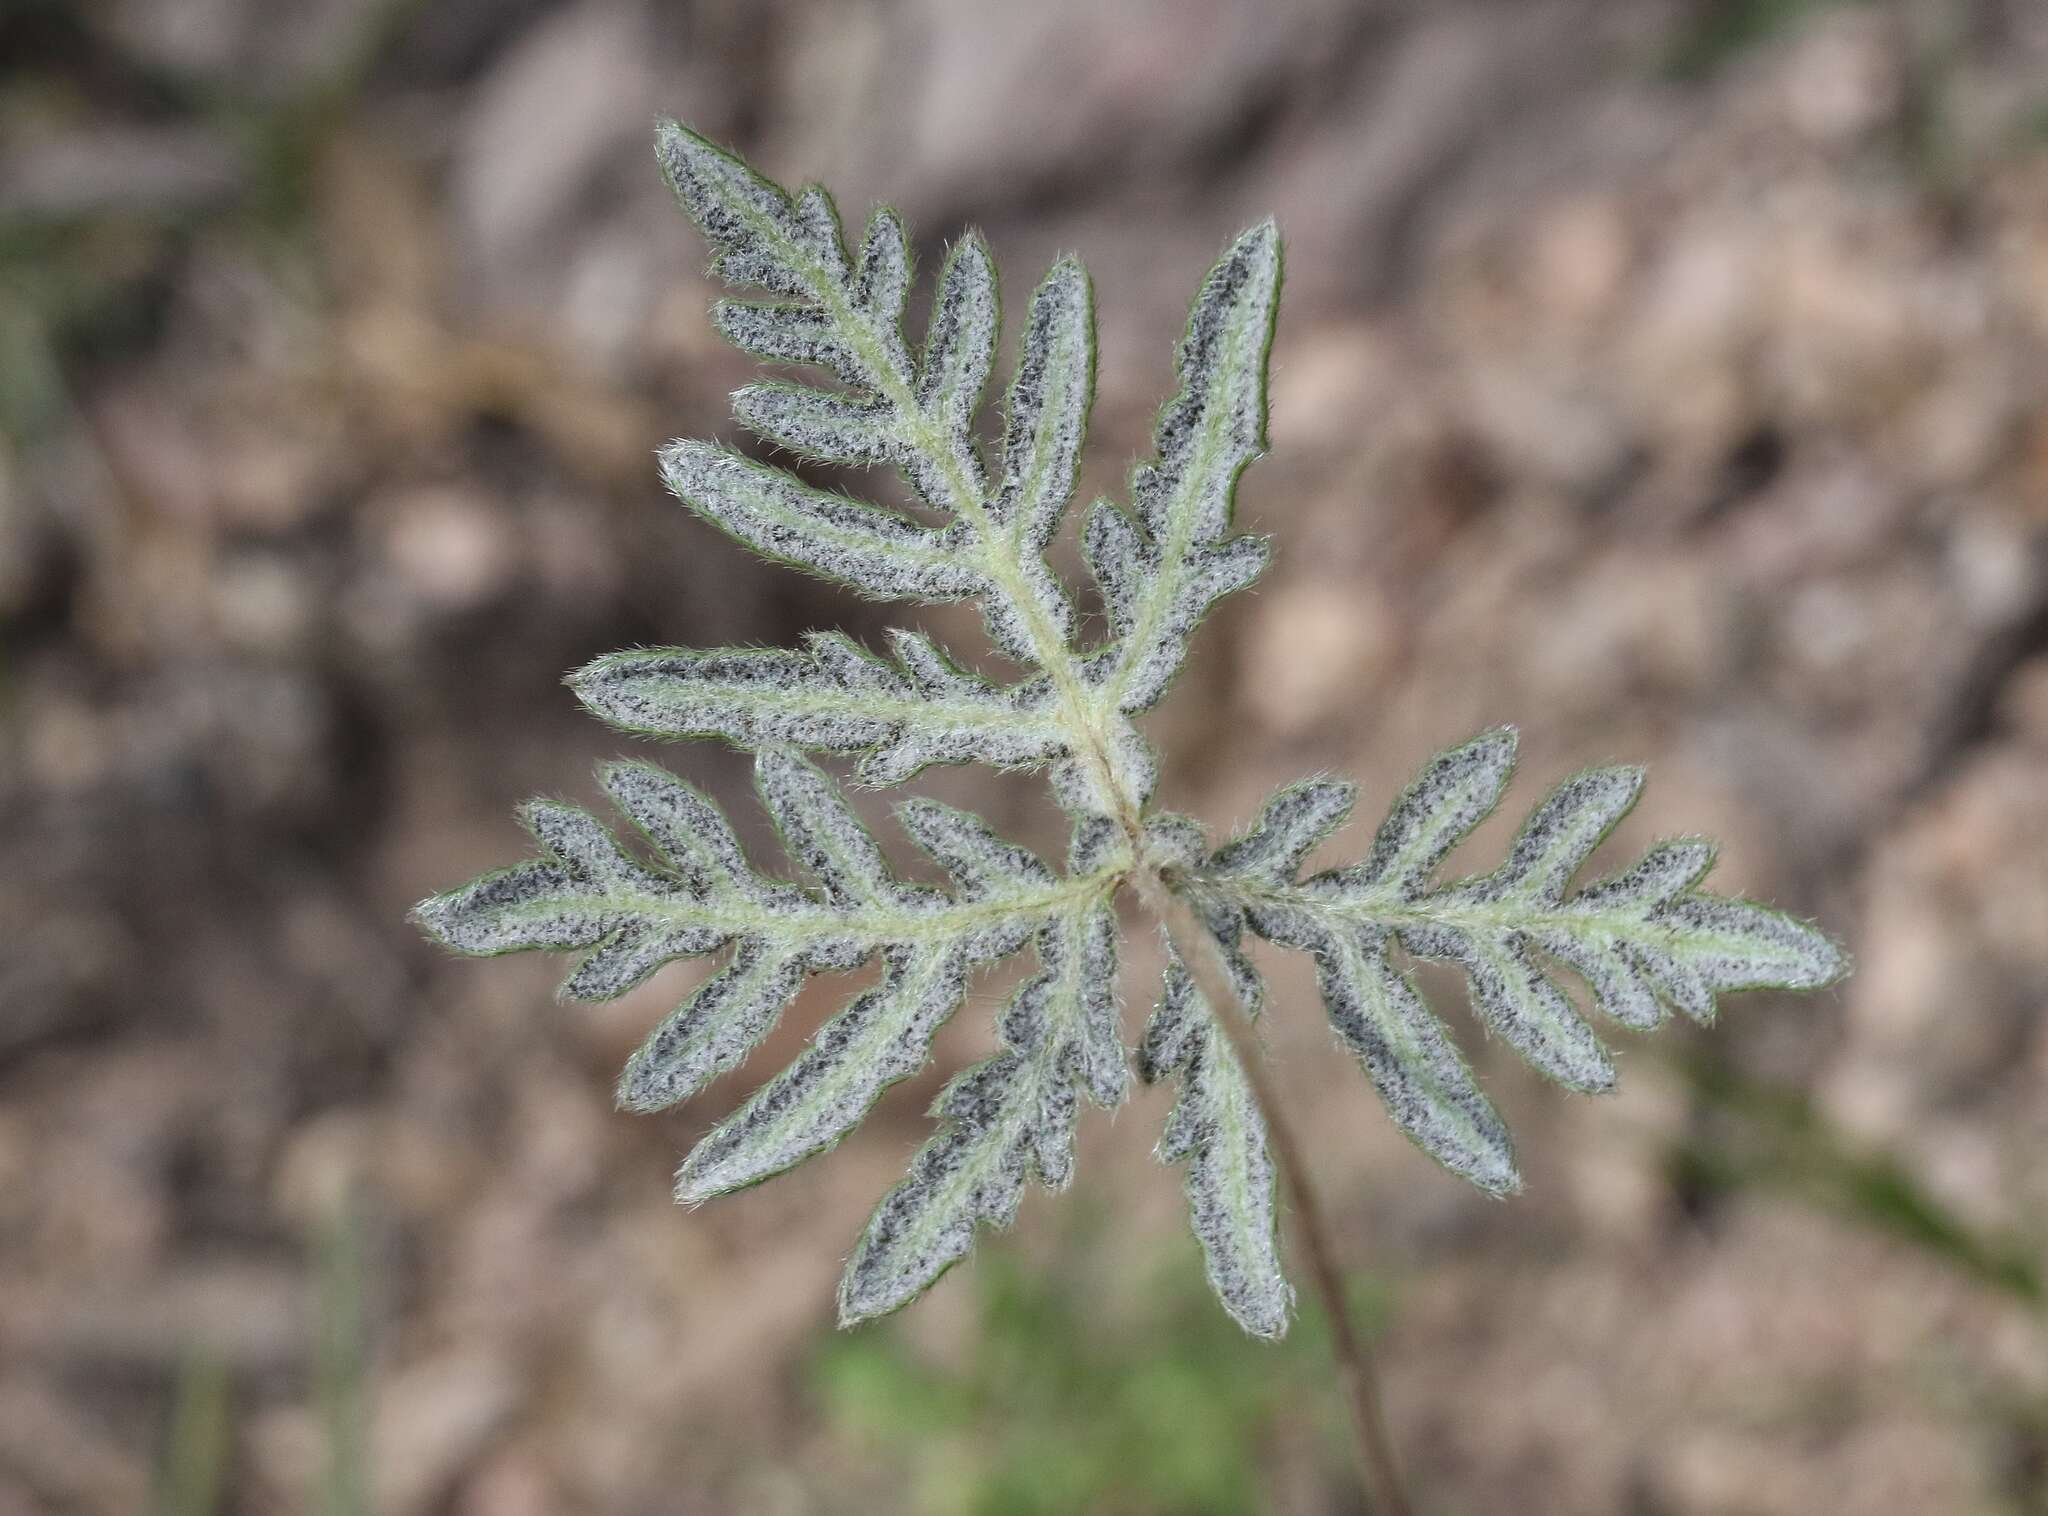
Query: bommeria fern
[[1644, 941]]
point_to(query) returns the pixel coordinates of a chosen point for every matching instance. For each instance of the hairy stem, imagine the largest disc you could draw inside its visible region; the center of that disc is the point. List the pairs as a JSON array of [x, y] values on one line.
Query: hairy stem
[[1371, 1443]]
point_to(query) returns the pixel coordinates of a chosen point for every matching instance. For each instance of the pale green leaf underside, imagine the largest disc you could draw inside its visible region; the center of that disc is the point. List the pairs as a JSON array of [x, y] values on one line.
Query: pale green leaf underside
[[1643, 942]]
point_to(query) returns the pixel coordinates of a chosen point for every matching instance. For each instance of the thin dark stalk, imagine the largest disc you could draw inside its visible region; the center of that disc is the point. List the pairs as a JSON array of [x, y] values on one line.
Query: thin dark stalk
[[1355, 1370]]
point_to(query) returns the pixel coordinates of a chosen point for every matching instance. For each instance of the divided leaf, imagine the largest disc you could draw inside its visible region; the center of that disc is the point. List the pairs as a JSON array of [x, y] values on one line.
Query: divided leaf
[[883, 1036], [758, 235], [1159, 572], [1644, 940], [1410, 1058], [917, 414], [959, 351], [587, 892], [1050, 395]]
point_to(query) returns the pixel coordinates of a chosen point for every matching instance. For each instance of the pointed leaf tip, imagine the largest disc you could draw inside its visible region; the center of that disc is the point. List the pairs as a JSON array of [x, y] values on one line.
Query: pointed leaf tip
[[1262, 234]]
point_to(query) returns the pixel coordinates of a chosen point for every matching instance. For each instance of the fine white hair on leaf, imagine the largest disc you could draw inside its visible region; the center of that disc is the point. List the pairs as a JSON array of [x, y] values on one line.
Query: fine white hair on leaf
[[1561, 834], [829, 696], [1050, 394], [1645, 939], [692, 836], [982, 864], [714, 1029], [936, 676], [883, 1036], [918, 415], [782, 332], [1133, 761], [1217, 1129], [1004, 1121], [1174, 841], [674, 882], [882, 285], [814, 424], [1095, 843], [1290, 827], [579, 892], [971, 1174], [878, 552], [1455, 791], [755, 232], [1411, 1060], [817, 220], [1161, 574], [1520, 1003], [586, 891], [1122, 562], [959, 350], [821, 832]]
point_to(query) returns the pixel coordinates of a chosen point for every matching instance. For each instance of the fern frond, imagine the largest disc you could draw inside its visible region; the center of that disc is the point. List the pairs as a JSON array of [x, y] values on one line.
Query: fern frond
[[1644, 940]]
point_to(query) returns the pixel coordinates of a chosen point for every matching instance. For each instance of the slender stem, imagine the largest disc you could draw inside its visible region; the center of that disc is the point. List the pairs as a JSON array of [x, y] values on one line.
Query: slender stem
[[1355, 1369]]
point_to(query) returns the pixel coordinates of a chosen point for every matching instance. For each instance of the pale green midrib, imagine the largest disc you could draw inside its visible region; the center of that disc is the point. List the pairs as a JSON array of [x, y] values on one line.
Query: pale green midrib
[[855, 1066], [1576, 842], [998, 552], [819, 922], [1018, 1101], [987, 1153], [762, 971], [1244, 1108], [1084, 713], [1429, 843], [861, 873], [902, 708], [1180, 539], [1032, 491], [1488, 917], [1410, 1056], [1550, 1016], [1066, 1010], [764, 503]]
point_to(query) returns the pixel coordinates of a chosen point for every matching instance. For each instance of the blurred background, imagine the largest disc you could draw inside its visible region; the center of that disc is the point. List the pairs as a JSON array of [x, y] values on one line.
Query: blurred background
[[1669, 379]]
